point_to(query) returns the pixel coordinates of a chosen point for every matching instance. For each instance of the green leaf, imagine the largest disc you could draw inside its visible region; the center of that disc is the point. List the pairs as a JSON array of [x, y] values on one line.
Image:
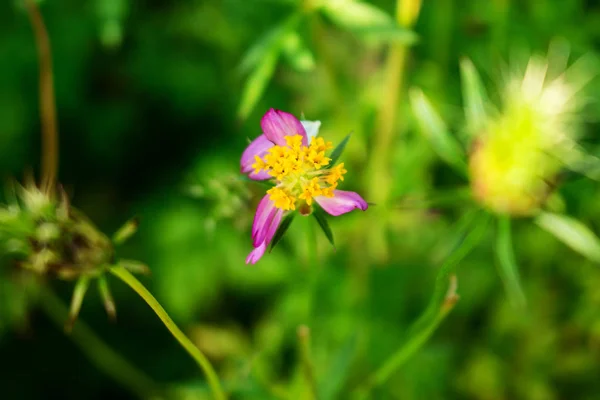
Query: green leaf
[[441, 303], [282, 229], [509, 271], [575, 158], [257, 83], [322, 220], [261, 60], [352, 14], [271, 41], [435, 130], [572, 233], [81, 288], [474, 96], [107, 298], [126, 231], [296, 52], [337, 152]]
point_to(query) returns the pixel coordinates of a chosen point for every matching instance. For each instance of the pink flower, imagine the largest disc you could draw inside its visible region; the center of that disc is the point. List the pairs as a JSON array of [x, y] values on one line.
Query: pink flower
[[289, 153]]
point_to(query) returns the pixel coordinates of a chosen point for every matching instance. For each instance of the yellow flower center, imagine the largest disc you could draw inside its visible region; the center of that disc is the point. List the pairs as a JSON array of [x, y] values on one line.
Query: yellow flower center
[[300, 171]]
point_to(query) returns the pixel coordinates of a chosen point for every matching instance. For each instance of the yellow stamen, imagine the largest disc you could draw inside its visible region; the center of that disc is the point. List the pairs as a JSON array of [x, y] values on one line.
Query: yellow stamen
[[310, 190], [283, 200], [336, 174], [300, 171], [259, 165]]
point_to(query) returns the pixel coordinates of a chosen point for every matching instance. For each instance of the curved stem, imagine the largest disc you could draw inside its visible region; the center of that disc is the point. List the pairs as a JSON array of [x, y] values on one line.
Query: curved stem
[[211, 375], [47, 101], [98, 352], [386, 129], [443, 300]]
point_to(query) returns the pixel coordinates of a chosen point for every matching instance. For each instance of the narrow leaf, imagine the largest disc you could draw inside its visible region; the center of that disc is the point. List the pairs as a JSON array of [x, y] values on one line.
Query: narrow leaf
[[268, 43], [283, 227], [322, 220], [257, 82], [296, 52], [351, 14], [435, 130], [441, 303], [572, 233], [81, 288], [575, 158], [337, 152], [134, 266], [107, 299], [509, 271], [474, 96], [126, 231]]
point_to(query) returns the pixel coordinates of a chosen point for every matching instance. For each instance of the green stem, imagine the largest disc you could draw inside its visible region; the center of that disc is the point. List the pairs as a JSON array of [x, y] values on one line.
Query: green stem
[[98, 352], [509, 272], [211, 375], [440, 305], [379, 176], [306, 360]]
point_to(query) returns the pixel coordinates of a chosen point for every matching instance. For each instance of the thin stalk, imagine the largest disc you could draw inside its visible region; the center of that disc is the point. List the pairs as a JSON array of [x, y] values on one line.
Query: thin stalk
[[509, 271], [306, 360], [379, 176], [442, 302], [99, 353], [197, 355], [47, 101]]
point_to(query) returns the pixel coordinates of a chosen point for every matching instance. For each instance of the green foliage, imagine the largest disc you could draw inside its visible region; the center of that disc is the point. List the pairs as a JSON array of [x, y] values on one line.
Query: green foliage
[[572, 232], [156, 101], [339, 149], [433, 127]]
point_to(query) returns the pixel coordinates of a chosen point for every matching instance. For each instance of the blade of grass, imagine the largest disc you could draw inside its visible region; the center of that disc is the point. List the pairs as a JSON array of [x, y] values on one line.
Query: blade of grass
[[322, 220], [572, 233], [441, 303], [474, 96], [339, 149], [435, 130], [257, 82], [509, 271]]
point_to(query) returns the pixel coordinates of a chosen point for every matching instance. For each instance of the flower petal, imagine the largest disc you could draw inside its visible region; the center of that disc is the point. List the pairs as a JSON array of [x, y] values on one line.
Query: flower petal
[[311, 128], [273, 226], [265, 234], [277, 124], [266, 222], [256, 254], [258, 147], [341, 202], [263, 211]]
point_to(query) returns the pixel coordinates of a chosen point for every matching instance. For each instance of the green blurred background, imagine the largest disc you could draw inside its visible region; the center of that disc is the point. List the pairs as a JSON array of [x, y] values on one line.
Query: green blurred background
[[156, 100]]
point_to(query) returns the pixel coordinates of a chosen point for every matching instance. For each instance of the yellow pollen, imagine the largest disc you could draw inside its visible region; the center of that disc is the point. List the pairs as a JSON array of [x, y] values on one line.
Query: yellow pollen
[[295, 142], [283, 200], [318, 144], [336, 174], [310, 190], [328, 191], [259, 165], [300, 171]]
